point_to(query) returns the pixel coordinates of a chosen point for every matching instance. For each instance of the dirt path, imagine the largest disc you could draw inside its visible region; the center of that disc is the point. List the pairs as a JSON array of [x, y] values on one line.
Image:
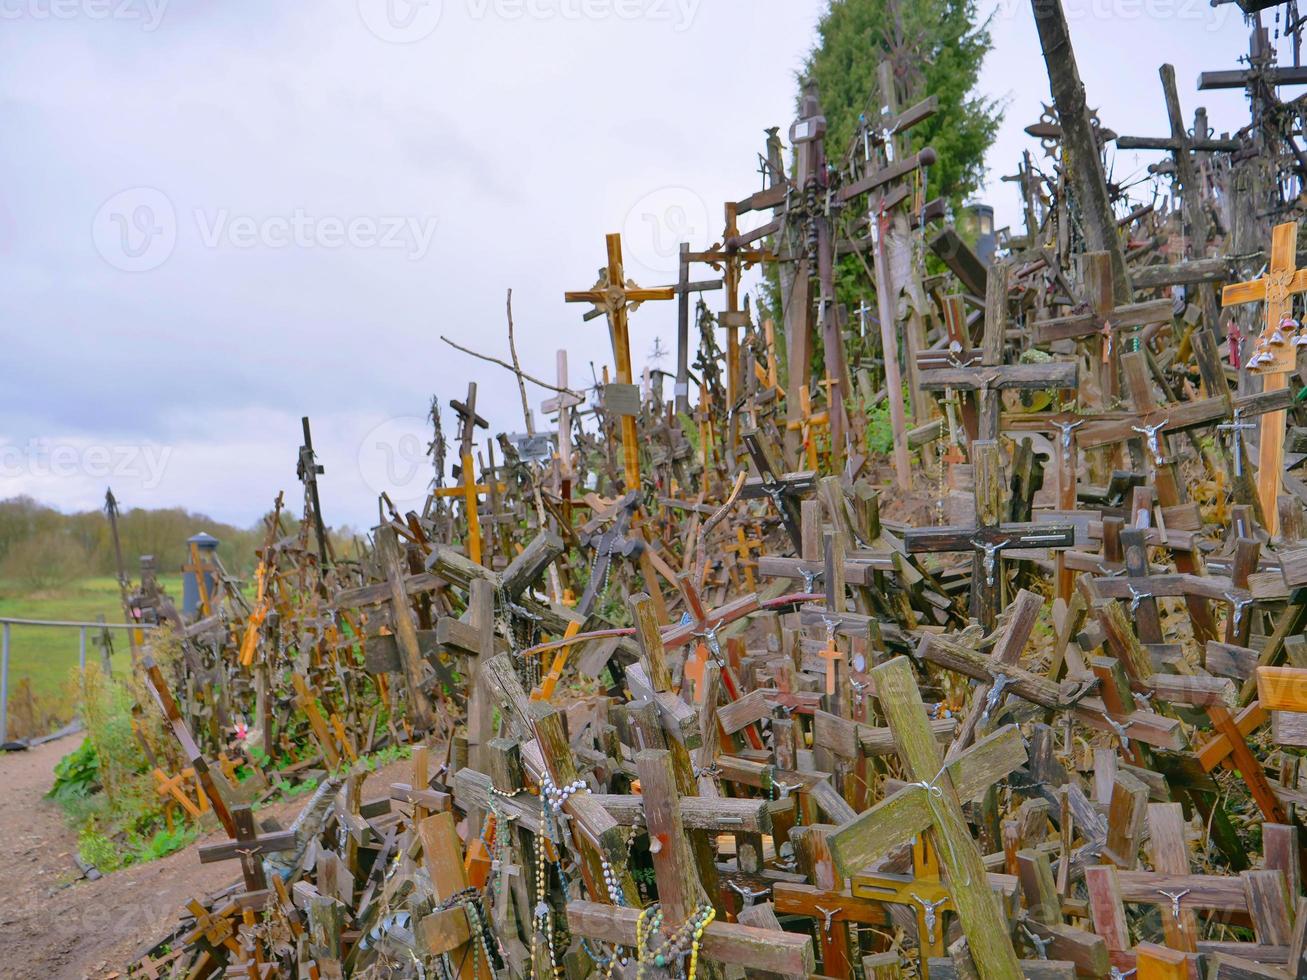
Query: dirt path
[[58, 925]]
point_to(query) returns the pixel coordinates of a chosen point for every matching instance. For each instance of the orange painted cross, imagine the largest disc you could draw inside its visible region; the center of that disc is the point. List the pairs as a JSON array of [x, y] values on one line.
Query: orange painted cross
[[831, 654], [694, 668]]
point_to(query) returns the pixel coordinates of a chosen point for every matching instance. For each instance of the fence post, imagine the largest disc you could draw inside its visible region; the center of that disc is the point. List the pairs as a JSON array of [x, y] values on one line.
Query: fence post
[[4, 684], [81, 649]]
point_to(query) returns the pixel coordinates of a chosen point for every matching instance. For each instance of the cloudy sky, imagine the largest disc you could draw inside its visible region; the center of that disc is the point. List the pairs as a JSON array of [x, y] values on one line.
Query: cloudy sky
[[217, 218]]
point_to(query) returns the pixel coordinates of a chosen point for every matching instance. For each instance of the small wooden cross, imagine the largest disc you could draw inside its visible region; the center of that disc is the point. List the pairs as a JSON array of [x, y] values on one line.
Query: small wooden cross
[[743, 549], [617, 296], [683, 288], [420, 712], [694, 670], [1276, 290], [731, 258]]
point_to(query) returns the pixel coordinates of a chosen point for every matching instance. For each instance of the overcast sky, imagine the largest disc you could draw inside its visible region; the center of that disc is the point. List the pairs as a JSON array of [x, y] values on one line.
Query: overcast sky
[[218, 217]]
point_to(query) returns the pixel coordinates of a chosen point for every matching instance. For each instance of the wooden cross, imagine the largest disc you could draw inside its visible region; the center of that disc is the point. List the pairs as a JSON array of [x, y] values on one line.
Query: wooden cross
[[1276, 290], [784, 490], [743, 550], [420, 712], [1153, 422], [172, 714], [562, 403], [1104, 319], [474, 637], [806, 424], [694, 670], [989, 537], [684, 287], [616, 540], [932, 804], [247, 846], [1181, 145], [923, 891], [308, 469], [174, 786], [732, 259], [887, 180], [616, 296], [469, 421]]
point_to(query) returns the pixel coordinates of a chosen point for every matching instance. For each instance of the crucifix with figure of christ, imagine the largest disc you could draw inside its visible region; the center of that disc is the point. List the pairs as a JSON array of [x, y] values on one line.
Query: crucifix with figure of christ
[[616, 296], [1276, 290]]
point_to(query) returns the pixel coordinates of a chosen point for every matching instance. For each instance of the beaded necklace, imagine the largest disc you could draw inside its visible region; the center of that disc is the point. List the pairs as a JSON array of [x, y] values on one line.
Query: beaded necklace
[[689, 933]]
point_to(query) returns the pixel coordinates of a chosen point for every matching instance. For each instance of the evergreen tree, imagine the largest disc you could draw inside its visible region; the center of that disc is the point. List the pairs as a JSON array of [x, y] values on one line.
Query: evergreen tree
[[936, 48]]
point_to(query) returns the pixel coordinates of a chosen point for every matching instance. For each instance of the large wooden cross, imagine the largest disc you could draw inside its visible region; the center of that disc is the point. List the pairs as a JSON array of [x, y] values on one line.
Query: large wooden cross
[[683, 288], [989, 537], [617, 296], [406, 637], [932, 804], [1276, 290], [731, 259]]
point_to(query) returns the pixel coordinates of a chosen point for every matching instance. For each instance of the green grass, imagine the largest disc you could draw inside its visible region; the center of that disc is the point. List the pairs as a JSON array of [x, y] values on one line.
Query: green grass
[[47, 655]]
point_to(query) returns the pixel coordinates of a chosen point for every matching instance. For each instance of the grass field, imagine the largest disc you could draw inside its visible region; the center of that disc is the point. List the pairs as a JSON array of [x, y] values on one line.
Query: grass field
[[47, 656]]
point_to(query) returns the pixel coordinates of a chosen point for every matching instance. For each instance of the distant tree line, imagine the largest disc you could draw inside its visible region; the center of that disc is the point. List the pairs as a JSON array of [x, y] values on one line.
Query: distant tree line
[[41, 546]]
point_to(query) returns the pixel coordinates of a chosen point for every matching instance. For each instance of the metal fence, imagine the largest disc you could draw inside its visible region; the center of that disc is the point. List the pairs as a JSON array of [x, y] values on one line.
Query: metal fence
[[5, 641]]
